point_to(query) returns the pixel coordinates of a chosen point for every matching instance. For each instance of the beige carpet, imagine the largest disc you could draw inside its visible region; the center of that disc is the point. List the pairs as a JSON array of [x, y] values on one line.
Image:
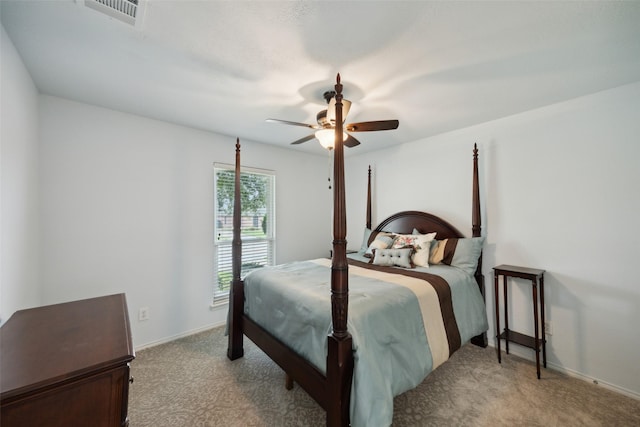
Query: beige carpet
[[190, 382]]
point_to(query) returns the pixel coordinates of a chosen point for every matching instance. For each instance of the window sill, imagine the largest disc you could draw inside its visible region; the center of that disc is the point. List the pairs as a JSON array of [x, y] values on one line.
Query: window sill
[[223, 302]]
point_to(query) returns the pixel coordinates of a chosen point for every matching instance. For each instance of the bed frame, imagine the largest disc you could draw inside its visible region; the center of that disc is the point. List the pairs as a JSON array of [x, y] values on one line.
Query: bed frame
[[333, 390]]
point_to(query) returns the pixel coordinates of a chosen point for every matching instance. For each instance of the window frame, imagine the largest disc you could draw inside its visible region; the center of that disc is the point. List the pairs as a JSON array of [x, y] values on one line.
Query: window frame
[[221, 296]]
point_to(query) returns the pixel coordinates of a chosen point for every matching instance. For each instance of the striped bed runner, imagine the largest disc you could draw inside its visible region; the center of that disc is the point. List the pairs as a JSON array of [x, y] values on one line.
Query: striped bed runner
[[434, 298]]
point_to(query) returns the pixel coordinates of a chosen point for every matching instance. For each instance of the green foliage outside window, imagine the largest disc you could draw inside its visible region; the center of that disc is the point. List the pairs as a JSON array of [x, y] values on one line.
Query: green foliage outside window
[[253, 193]]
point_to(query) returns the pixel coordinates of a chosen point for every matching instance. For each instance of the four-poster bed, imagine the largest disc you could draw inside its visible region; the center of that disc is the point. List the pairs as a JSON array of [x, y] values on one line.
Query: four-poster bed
[[265, 310]]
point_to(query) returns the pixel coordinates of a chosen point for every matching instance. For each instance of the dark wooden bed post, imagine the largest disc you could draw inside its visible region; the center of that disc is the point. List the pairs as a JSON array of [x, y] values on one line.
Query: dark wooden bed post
[[480, 340], [369, 198], [475, 216], [236, 305], [340, 353]]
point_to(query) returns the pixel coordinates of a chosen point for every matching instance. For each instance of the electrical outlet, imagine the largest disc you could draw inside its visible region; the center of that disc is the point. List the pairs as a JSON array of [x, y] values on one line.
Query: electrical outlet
[[548, 329], [143, 313]]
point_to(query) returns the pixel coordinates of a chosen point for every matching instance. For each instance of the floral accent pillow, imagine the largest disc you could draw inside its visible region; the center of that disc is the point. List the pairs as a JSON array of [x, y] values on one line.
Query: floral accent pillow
[[421, 244]]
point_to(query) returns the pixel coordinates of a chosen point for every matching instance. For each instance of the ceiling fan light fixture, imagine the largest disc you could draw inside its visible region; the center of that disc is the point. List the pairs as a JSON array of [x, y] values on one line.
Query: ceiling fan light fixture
[[331, 110], [326, 127], [327, 138]]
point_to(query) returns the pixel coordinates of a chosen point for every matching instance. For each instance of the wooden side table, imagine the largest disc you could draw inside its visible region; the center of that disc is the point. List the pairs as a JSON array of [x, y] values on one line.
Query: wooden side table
[[537, 341]]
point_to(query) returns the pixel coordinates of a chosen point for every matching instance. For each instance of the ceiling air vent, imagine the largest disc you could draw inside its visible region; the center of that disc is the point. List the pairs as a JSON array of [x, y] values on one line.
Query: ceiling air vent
[[124, 10]]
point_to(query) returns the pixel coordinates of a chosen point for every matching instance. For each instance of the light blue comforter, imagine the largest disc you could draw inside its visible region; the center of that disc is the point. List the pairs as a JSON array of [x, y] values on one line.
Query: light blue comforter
[[386, 320]]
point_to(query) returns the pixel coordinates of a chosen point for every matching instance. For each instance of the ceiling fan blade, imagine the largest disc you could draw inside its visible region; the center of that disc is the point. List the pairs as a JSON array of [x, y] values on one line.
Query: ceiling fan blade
[[305, 139], [351, 142], [287, 122], [371, 126]]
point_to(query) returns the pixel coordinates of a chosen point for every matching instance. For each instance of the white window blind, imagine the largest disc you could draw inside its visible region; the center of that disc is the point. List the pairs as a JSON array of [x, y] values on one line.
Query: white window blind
[[257, 188]]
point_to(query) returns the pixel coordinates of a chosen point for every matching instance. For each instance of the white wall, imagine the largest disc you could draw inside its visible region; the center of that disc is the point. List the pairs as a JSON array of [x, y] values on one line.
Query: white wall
[[560, 189], [127, 206], [19, 273]]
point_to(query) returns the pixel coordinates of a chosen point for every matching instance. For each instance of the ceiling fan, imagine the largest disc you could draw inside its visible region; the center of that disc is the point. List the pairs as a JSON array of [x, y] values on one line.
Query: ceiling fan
[[327, 122]]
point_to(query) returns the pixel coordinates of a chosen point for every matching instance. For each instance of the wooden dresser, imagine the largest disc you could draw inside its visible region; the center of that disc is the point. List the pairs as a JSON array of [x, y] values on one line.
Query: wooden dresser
[[66, 364]]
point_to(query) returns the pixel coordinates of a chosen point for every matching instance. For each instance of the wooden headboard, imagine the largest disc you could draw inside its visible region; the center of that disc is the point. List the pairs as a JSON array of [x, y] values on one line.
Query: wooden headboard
[[405, 222]]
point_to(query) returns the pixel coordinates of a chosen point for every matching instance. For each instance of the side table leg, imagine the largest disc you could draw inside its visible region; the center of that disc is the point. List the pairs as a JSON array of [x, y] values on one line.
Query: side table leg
[[506, 314], [497, 301], [535, 323], [544, 336]]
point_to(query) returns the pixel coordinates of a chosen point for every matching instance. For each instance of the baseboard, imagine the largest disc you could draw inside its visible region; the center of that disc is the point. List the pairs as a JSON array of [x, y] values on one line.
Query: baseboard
[[529, 355], [178, 336]]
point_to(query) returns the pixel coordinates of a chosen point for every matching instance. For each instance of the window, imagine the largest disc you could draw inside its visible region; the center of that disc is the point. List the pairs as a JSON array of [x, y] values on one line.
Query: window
[[257, 190]]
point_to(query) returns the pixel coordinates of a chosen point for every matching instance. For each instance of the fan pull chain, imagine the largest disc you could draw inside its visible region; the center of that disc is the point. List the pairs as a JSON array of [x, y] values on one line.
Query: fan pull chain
[[330, 169]]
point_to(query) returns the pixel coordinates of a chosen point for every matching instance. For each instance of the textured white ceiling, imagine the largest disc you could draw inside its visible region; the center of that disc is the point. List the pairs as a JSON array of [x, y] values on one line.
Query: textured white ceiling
[[227, 66]]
